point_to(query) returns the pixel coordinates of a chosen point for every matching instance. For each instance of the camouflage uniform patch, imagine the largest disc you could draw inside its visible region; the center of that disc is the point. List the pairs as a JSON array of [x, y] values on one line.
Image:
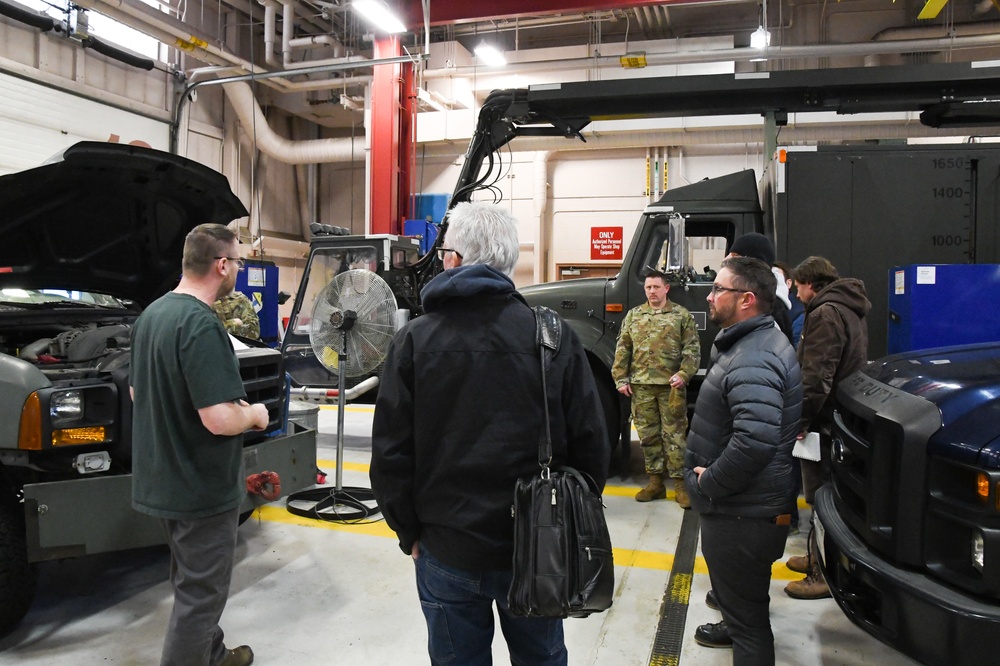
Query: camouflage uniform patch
[[236, 306], [653, 346]]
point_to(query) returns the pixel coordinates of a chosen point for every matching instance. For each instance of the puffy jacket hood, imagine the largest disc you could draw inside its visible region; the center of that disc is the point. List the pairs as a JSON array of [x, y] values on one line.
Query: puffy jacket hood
[[848, 292], [465, 282]]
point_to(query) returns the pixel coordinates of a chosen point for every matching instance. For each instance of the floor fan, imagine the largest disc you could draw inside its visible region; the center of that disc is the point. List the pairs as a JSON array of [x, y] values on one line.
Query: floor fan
[[352, 324]]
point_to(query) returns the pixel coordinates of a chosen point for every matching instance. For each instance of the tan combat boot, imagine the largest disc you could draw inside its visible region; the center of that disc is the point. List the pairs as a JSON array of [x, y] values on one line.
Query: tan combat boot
[[681, 494], [654, 491]]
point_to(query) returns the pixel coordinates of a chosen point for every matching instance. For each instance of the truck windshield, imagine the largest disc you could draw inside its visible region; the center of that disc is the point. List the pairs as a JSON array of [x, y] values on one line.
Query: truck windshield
[[705, 248], [325, 264]]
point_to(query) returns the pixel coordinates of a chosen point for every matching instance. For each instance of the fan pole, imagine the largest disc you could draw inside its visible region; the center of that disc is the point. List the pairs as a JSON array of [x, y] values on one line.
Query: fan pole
[[341, 404]]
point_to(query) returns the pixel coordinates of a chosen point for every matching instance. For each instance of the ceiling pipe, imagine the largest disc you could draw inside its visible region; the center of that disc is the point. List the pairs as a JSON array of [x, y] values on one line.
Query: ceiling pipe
[[170, 31], [938, 31], [739, 55], [175, 123], [270, 29]]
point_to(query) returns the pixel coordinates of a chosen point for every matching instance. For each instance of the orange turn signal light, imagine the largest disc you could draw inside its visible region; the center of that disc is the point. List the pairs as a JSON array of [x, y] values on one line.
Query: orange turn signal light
[[983, 486], [29, 432], [72, 436]]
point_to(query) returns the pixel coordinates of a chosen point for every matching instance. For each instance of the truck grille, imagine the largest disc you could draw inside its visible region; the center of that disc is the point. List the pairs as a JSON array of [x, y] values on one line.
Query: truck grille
[[879, 465], [264, 381]]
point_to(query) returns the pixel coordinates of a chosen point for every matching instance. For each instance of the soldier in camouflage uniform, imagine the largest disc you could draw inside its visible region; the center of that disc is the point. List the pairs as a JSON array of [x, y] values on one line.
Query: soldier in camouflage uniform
[[657, 354], [237, 315]]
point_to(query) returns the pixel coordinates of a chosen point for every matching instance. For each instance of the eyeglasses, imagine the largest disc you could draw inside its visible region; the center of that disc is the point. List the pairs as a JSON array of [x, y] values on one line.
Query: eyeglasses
[[239, 262], [442, 250], [718, 289]]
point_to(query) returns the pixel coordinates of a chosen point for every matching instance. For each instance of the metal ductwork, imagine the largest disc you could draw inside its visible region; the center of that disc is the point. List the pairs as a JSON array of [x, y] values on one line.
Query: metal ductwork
[[310, 151]]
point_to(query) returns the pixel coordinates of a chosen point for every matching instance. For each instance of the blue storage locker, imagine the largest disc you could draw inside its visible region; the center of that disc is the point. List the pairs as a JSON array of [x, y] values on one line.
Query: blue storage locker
[[939, 305], [426, 231], [259, 281]]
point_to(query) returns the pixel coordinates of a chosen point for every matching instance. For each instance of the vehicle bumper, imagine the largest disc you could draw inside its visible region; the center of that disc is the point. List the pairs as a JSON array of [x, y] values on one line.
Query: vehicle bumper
[[905, 609], [57, 527]]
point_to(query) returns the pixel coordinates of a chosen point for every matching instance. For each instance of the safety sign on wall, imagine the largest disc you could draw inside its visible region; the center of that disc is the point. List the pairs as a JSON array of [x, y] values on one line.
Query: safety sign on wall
[[606, 243]]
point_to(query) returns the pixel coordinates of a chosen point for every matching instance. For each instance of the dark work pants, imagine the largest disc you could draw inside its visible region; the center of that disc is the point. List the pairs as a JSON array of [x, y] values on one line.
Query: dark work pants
[[201, 567], [739, 552]]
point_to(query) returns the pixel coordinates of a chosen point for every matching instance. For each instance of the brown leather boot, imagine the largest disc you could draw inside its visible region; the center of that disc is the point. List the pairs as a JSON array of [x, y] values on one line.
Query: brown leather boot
[[654, 491], [813, 586], [681, 494], [798, 563]]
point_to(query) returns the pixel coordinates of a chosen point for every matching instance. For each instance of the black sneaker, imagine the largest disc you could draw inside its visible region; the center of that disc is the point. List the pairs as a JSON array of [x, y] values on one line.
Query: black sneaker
[[711, 601], [713, 635]]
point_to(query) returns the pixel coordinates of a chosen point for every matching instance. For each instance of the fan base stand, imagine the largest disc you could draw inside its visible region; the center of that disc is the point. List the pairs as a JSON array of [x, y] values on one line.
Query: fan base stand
[[340, 505]]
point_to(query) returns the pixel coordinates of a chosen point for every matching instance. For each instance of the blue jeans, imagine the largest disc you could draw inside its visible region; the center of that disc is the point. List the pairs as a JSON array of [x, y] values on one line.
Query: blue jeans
[[458, 607]]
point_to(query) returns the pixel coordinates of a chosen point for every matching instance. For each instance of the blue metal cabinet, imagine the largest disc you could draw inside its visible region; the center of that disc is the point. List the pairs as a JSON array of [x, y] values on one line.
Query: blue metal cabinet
[[939, 305]]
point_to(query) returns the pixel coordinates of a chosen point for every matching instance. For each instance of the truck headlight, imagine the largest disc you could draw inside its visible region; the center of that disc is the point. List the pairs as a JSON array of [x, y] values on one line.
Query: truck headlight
[[66, 406], [977, 550]]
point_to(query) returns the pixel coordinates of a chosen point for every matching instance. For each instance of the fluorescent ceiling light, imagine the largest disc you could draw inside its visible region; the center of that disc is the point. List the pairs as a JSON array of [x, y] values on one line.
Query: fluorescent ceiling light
[[490, 55], [760, 38], [378, 14]]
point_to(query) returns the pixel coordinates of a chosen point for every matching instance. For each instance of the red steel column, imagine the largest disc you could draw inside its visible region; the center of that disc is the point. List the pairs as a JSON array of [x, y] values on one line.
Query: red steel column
[[391, 128]]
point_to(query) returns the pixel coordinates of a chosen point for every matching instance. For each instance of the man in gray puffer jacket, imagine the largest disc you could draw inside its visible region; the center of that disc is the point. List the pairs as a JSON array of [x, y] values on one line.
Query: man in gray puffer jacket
[[738, 466]]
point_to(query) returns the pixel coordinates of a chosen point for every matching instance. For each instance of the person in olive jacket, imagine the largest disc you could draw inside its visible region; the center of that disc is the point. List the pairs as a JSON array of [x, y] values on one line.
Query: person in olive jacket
[[739, 457], [457, 422]]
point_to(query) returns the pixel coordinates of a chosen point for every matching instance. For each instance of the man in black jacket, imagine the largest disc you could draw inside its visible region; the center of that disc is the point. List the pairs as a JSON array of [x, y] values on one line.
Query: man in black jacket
[[457, 422], [739, 457]]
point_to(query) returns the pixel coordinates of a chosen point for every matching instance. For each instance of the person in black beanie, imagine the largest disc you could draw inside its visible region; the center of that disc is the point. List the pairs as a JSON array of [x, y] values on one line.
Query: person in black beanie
[[759, 246]]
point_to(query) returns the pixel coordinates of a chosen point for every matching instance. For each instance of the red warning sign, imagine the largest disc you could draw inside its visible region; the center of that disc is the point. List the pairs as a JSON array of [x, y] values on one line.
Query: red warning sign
[[606, 243]]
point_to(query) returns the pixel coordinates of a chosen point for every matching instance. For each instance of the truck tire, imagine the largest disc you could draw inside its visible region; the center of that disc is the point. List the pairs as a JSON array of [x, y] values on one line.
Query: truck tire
[[17, 576], [611, 405]]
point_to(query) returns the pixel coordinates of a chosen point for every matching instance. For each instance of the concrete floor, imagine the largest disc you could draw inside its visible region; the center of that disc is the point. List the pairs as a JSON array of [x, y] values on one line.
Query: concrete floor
[[308, 593]]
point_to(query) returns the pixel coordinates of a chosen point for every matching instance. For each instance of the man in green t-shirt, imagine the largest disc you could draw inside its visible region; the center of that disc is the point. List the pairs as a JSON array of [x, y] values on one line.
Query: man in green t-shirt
[[189, 416]]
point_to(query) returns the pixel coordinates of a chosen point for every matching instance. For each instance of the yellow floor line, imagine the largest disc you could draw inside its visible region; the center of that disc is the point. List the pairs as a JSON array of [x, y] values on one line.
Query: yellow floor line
[[640, 559], [613, 491]]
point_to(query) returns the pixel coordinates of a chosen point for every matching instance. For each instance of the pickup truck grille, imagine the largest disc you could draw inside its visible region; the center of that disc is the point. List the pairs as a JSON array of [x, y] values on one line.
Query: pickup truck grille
[[264, 381], [879, 464]]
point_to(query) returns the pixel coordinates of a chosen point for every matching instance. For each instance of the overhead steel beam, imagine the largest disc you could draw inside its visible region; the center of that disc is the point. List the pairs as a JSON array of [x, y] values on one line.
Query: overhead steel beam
[[462, 11], [847, 90]]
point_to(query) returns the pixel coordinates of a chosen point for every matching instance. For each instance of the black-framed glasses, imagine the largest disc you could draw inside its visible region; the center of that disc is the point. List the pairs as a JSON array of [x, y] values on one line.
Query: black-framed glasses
[[239, 262], [442, 250], [718, 289]]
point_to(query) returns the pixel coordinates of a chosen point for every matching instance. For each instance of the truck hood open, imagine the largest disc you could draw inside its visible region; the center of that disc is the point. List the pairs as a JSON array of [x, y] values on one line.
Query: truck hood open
[[107, 218], [963, 382]]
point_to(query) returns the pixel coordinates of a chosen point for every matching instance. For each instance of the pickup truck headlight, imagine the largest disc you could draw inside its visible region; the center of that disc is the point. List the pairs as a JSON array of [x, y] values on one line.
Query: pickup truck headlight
[[66, 406], [977, 550]]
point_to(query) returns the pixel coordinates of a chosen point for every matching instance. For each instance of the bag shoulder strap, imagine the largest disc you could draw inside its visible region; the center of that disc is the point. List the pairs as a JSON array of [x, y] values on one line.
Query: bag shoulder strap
[[548, 337]]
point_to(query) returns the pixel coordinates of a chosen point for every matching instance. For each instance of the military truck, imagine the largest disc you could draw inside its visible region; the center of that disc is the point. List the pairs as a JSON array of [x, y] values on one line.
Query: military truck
[[89, 238], [866, 208], [704, 217]]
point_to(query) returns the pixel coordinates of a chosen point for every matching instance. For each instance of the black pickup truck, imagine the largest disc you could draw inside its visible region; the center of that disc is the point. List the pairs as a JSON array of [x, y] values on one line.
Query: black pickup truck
[[909, 529], [88, 239]]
